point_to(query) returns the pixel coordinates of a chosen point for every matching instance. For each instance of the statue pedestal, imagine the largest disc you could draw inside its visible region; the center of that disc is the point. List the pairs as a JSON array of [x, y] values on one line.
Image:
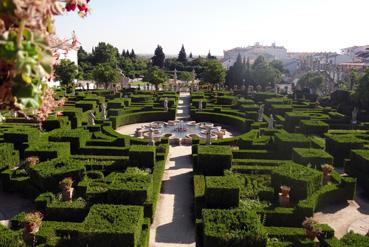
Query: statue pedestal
[[284, 200]]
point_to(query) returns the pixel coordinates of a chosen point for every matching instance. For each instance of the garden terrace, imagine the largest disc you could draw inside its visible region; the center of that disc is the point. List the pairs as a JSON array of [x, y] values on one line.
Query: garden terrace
[[236, 181]]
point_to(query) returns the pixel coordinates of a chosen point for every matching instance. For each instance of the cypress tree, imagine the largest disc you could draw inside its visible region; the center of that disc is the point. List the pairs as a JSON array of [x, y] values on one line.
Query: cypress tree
[[190, 55], [159, 57], [182, 56], [123, 53], [132, 55]]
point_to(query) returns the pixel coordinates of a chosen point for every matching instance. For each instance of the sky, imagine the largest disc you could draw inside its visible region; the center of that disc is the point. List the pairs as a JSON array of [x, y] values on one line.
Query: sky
[[217, 25]]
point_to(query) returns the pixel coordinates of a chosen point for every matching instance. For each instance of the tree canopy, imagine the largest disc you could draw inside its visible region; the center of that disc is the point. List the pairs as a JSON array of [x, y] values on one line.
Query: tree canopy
[[362, 91], [155, 76], [214, 72], [105, 53], [185, 76], [104, 73], [311, 80], [182, 56], [66, 72], [159, 57]]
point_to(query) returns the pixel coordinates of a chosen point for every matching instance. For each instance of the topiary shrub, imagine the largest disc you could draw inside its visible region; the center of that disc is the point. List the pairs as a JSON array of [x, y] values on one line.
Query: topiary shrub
[[233, 228], [212, 160], [142, 156], [315, 157], [222, 191], [303, 181]]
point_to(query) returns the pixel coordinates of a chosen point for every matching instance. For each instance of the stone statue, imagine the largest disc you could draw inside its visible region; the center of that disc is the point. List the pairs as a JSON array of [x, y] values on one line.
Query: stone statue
[[271, 122], [200, 105], [166, 104], [103, 111], [175, 76], [193, 76], [260, 113], [354, 115], [14, 114], [2, 118], [243, 87], [91, 118], [151, 137], [208, 136]]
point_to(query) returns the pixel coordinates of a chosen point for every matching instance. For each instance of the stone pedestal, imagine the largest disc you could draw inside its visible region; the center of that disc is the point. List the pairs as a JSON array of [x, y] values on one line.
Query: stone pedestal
[[284, 200]]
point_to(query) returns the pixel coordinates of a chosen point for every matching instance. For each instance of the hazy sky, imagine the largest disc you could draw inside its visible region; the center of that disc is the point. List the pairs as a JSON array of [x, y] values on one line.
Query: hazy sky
[[215, 25]]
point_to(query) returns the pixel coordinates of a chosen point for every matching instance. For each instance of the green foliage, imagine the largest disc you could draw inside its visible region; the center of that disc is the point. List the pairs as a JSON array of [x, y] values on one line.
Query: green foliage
[[105, 53], [66, 72], [312, 156], [352, 239], [9, 238], [212, 160], [158, 58], [214, 72], [263, 73], [105, 73], [361, 92], [185, 76], [182, 56], [222, 191], [142, 156], [311, 80], [232, 228], [155, 76]]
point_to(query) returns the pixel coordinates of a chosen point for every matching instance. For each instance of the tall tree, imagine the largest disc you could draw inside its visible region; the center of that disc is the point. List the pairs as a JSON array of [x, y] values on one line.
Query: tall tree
[[209, 56], [66, 72], [214, 72], [159, 57], [182, 56], [123, 53], [105, 53], [185, 76], [277, 64], [105, 74], [236, 73], [132, 55], [312, 81], [264, 74], [155, 76], [190, 56], [362, 91]]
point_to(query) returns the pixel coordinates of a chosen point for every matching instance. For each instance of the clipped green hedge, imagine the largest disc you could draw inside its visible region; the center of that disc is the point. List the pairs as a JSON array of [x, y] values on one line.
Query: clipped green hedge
[[142, 156], [315, 157], [212, 160], [233, 228], [222, 191]]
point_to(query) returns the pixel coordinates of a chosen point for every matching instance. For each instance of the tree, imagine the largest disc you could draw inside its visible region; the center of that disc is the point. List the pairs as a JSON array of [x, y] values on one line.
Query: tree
[[209, 56], [185, 76], [263, 74], [132, 55], [278, 65], [182, 56], [214, 72], [190, 56], [362, 91], [155, 76], [353, 78], [105, 73], [105, 53], [66, 72], [159, 57], [236, 73], [311, 81]]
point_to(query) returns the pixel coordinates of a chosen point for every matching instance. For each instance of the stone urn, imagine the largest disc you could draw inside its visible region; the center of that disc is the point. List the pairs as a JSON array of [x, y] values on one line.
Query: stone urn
[[283, 196], [327, 170], [67, 189]]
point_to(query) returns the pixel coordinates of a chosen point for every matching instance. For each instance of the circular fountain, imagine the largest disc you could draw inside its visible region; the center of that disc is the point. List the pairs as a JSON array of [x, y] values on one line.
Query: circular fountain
[[180, 132]]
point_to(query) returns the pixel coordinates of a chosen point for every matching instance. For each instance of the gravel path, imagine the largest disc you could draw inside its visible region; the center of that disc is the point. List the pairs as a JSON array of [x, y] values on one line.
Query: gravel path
[[342, 218]]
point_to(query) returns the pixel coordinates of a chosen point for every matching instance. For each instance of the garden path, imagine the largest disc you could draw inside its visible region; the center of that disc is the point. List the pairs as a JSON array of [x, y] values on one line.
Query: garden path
[[173, 223], [342, 218], [12, 204]]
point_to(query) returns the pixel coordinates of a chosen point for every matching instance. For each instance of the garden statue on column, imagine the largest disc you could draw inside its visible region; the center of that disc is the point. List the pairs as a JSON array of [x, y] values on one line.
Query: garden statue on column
[[208, 136], [2, 118], [103, 111], [91, 118], [354, 115], [193, 76], [271, 122], [151, 137], [14, 114], [200, 105], [166, 104], [175, 76], [260, 113]]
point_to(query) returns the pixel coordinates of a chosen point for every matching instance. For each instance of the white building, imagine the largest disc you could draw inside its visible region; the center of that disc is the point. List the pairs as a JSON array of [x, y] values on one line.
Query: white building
[[271, 53]]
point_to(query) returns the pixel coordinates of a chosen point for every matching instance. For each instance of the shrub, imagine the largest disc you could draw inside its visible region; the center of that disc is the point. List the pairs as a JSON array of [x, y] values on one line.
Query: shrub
[[212, 160], [315, 157], [236, 228], [303, 181], [142, 156], [284, 142], [9, 156], [113, 225], [222, 192]]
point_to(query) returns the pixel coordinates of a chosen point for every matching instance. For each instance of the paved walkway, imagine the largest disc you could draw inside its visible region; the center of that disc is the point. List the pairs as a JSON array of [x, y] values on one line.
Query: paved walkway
[[173, 224], [342, 218]]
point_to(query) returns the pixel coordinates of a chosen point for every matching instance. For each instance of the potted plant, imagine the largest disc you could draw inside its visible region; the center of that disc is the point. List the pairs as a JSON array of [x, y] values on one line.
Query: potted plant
[[67, 189], [327, 170], [311, 228], [32, 222], [31, 161], [285, 190]]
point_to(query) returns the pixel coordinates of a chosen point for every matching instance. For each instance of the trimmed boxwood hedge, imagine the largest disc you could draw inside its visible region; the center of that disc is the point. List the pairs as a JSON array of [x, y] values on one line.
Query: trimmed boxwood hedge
[[222, 191], [212, 160], [142, 156], [233, 228], [315, 157]]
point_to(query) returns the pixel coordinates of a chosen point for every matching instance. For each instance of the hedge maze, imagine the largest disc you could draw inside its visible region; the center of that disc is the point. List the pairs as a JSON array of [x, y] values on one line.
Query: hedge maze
[[237, 181], [116, 178], [255, 189]]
